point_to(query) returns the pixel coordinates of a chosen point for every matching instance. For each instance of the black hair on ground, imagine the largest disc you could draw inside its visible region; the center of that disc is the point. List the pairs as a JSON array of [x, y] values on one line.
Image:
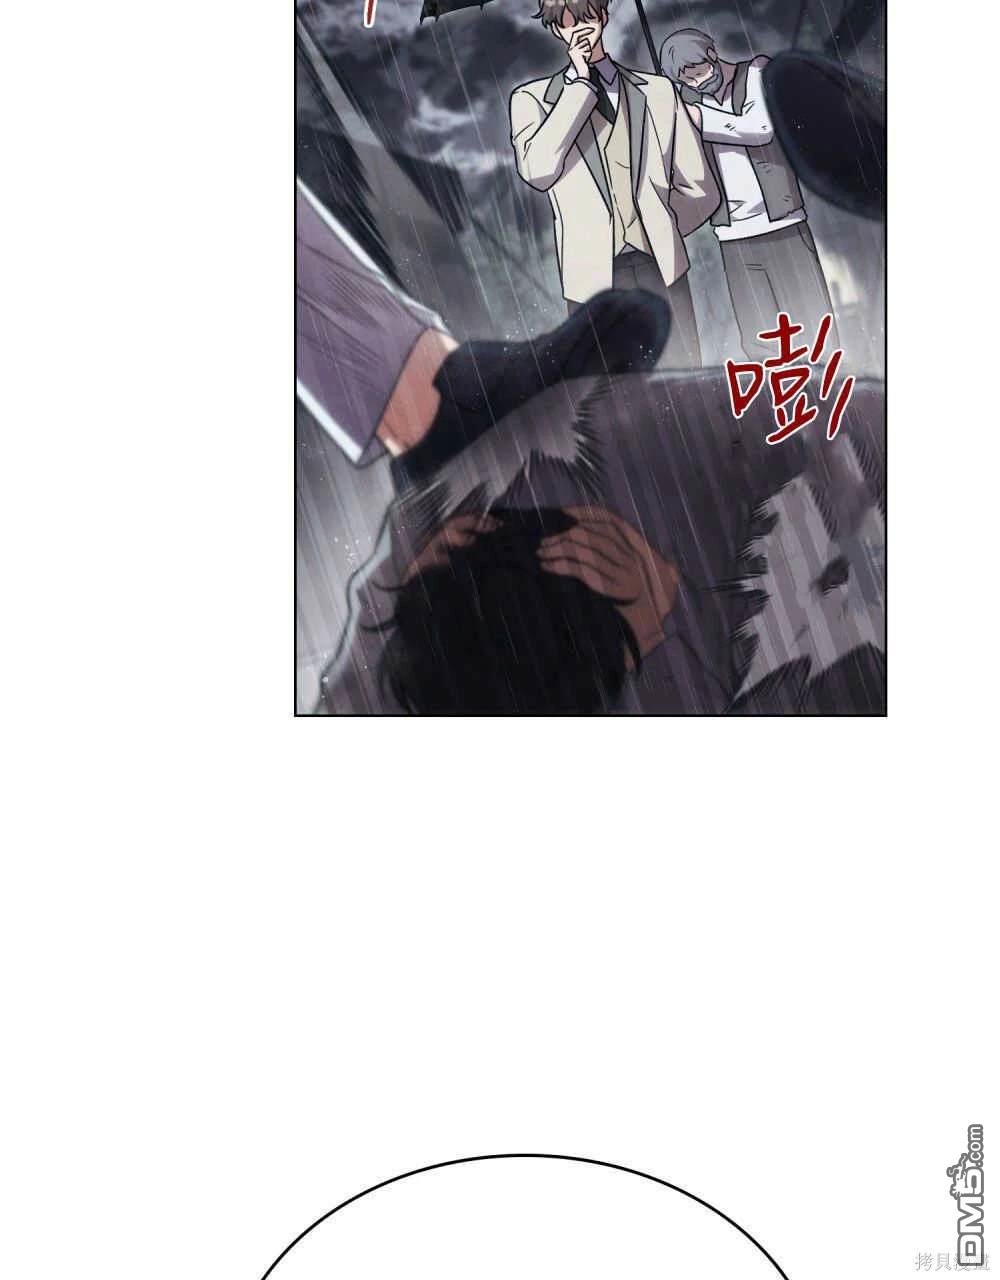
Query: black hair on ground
[[490, 632]]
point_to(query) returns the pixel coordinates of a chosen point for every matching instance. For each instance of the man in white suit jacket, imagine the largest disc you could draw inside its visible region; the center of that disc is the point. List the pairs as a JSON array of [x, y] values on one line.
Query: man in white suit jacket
[[624, 168]]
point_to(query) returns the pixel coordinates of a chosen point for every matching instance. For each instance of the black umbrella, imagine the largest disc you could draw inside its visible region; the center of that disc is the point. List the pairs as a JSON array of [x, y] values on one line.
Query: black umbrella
[[438, 8], [830, 121]]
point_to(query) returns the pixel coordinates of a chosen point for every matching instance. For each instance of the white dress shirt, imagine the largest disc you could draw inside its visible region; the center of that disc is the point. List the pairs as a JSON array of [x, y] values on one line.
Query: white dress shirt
[[732, 134], [608, 72]]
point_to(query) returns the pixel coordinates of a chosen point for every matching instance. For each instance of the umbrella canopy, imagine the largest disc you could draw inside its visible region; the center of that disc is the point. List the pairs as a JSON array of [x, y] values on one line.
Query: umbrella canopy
[[435, 8], [830, 121], [438, 8]]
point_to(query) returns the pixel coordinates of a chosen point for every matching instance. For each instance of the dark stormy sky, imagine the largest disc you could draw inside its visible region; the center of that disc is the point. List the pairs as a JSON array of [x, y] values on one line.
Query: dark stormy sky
[[441, 88], [439, 91]]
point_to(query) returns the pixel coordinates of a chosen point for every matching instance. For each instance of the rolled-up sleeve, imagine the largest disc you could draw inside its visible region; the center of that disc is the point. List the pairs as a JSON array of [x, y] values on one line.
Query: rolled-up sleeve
[[751, 128]]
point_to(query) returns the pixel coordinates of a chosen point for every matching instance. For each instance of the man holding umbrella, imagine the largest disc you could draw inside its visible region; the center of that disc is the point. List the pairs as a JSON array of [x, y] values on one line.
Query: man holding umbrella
[[624, 169]]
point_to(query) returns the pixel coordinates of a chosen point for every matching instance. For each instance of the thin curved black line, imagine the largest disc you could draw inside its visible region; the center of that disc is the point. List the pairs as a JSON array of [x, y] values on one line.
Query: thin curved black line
[[526, 1155]]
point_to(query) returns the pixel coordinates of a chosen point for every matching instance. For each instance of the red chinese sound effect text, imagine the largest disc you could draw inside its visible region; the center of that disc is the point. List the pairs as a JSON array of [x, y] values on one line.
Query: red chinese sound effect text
[[787, 379]]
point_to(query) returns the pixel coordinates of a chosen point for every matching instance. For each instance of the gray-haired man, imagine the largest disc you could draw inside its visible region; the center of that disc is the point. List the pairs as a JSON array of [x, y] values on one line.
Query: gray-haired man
[[768, 252]]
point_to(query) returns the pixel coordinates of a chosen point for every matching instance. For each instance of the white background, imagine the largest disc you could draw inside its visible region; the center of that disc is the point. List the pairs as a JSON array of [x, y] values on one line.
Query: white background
[[530, 1217], [253, 965]]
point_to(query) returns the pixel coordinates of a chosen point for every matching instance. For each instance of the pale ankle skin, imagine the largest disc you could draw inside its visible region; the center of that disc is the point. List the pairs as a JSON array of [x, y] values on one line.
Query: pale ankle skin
[[414, 401]]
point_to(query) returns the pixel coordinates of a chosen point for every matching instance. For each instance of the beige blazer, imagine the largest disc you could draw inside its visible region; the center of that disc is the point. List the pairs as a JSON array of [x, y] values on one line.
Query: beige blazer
[[557, 151]]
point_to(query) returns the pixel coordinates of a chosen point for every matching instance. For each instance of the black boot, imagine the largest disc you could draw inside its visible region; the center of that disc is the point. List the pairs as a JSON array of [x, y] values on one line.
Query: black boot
[[481, 382]]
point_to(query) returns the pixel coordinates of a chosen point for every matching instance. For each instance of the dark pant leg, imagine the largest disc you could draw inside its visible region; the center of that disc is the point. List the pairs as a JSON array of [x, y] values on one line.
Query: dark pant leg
[[793, 267], [776, 272], [683, 349], [639, 271], [624, 276], [754, 303]]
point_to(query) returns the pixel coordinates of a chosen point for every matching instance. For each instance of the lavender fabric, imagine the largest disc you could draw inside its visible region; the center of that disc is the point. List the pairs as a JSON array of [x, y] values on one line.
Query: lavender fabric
[[354, 330]]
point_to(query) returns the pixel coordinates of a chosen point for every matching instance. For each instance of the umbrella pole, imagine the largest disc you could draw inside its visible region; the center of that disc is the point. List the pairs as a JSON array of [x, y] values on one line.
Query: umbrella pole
[[644, 23]]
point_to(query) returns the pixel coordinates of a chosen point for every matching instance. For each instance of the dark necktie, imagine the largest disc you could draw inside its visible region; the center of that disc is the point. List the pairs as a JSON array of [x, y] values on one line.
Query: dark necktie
[[603, 101]]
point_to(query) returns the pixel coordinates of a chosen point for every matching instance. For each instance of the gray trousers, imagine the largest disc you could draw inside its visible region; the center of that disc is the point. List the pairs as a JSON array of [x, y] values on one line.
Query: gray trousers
[[639, 271], [778, 271]]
